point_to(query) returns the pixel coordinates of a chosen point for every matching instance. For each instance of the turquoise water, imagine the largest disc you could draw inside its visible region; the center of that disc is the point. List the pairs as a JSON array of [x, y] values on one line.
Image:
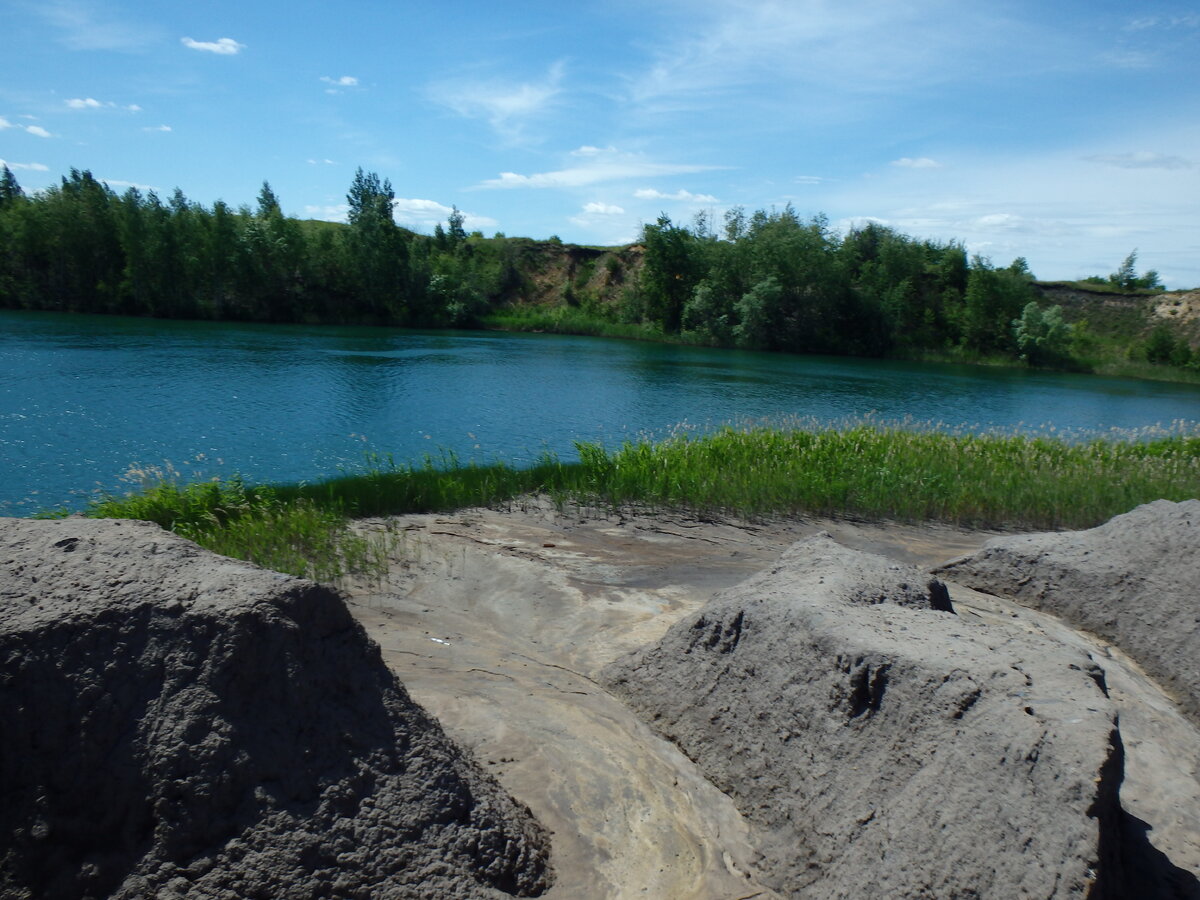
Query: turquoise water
[[86, 399]]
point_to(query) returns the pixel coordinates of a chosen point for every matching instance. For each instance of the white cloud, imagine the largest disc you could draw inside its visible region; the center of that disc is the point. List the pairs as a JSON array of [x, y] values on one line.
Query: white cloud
[[335, 213], [505, 105], [321, 162], [597, 166], [116, 182], [599, 216], [603, 209], [35, 130], [344, 81], [1141, 160], [163, 128], [32, 167], [682, 196], [411, 212], [427, 213], [1070, 217], [921, 162], [810, 179], [222, 47], [93, 103]]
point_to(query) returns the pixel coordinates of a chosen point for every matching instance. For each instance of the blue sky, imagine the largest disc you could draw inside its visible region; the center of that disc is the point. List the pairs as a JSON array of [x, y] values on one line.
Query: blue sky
[[1066, 132]]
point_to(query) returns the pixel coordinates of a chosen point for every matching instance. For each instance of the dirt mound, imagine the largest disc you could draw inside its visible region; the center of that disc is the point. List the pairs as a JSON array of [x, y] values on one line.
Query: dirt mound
[[176, 723], [1132, 581], [881, 745]]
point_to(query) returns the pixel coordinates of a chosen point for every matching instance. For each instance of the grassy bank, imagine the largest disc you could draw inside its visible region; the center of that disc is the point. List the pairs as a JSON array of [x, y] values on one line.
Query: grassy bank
[[1105, 354], [864, 471], [572, 320]]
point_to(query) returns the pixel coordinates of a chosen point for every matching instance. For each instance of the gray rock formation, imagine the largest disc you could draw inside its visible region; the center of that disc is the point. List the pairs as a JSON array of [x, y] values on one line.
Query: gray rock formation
[[1134, 581], [882, 746], [180, 724]]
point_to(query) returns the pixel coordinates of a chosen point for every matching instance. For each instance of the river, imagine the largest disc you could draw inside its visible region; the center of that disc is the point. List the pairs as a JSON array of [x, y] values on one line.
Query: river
[[89, 402]]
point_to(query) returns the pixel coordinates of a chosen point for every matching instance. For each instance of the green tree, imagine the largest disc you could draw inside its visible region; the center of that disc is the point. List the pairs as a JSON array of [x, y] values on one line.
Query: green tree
[[376, 249], [758, 310], [10, 191], [670, 272], [1042, 338], [994, 298]]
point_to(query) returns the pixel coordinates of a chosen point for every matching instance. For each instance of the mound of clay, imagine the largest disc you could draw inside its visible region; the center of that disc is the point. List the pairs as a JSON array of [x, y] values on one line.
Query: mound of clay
[[177, 723], [879, 745], [1133, 580]]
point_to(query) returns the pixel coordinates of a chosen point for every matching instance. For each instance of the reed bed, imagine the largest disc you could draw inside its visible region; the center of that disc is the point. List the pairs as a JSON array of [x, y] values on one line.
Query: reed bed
[[862, 470]]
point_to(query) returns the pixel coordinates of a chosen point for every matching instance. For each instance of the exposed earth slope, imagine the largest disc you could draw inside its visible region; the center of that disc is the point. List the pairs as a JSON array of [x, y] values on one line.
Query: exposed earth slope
[[181, 724]]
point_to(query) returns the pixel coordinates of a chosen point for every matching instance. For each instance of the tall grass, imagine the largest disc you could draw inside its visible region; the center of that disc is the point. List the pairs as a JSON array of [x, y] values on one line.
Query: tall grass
[[864, 470]]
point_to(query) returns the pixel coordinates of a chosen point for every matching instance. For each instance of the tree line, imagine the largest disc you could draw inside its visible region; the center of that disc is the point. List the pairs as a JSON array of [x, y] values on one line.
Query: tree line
[[775, 282], [81, 247], [769, 280]]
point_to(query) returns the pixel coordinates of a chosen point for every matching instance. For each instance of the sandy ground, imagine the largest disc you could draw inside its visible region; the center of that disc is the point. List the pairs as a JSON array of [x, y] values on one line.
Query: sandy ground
[[498, 622]]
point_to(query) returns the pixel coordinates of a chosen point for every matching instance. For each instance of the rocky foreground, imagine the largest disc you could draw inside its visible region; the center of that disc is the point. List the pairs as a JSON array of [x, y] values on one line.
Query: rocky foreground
[[882, 746], [1134, 581], [850, 726], [180, 724]]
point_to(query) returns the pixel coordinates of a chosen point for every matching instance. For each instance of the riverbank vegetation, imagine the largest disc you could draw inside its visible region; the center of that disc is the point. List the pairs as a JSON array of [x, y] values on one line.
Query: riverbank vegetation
[[769, 280], [862, 470]]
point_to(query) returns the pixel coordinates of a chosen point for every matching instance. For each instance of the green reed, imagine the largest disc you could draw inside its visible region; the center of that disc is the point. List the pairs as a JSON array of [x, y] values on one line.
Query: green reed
[[862, 470]]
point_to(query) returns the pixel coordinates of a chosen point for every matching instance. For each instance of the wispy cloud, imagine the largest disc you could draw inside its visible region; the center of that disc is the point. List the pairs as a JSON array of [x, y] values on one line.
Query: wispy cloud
[[117, 182], [680, 195], [163, 128], [93, 103], [222, 46], [921, 162], [810, 179], [812, 51], [322, 162], [595, 166], [35, 130], [86, 25], [346, 81], [1188, 20], [31, 167], [1141, 160], [507, 106]]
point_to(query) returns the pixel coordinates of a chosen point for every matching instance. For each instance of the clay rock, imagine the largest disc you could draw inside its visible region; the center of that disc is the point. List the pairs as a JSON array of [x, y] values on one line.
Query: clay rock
[[180, 724], [882, 746], [1134, 581]]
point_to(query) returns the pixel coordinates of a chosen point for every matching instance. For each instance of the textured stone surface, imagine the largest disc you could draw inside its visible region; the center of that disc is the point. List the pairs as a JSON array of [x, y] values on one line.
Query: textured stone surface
[[881, 745], [180, 724], [1134, 581]]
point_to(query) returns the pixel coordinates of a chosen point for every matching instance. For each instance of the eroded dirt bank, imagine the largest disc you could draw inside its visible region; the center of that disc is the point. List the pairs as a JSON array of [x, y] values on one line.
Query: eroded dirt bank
[[181, 725], [500, 624]]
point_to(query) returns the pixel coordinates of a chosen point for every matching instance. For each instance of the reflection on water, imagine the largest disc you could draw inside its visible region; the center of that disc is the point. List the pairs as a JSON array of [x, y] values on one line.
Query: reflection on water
[[82, 398]]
